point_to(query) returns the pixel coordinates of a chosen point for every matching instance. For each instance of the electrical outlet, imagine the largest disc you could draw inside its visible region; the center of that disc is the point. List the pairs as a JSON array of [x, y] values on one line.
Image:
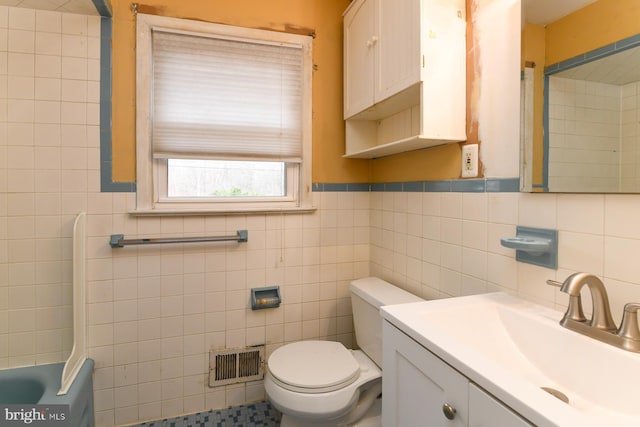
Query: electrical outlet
[[470, 160]]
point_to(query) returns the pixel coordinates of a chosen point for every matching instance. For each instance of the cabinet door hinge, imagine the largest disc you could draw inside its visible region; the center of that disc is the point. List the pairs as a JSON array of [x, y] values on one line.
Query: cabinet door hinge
[[422, 61]]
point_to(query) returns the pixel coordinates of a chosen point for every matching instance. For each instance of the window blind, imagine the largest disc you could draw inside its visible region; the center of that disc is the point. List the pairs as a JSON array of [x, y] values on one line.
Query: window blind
[[225, 98]]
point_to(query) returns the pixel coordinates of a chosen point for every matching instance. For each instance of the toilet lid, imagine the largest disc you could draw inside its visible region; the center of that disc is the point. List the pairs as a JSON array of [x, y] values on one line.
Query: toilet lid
[[314, 365]]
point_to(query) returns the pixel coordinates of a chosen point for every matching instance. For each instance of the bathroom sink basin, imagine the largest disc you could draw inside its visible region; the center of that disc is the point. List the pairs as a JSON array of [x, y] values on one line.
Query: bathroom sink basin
[[20, 390], [516, 349]]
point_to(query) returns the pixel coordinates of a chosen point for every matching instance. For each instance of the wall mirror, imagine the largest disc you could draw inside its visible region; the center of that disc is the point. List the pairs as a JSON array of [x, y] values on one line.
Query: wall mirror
[[580, 90]]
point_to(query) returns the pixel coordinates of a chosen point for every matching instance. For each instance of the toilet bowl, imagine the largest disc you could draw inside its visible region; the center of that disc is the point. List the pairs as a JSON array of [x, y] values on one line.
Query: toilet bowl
[[322, 383]]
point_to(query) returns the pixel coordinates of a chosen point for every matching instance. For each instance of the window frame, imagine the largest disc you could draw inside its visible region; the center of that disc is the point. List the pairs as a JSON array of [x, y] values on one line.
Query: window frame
[[151, 194]]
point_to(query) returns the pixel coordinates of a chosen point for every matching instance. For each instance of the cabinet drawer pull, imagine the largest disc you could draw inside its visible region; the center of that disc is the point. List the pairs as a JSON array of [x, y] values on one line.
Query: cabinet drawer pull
[[449, 411]]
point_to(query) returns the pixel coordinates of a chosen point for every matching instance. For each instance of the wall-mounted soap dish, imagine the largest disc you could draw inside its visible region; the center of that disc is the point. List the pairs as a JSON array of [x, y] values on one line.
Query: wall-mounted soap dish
[[536, 246]]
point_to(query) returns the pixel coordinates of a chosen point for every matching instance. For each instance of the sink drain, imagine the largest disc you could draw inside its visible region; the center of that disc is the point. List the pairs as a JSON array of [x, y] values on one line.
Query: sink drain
[[555, 393]]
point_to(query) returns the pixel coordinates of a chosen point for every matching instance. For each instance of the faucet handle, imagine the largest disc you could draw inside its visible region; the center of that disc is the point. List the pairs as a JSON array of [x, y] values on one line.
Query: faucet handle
[[554, 283], [629, 326]]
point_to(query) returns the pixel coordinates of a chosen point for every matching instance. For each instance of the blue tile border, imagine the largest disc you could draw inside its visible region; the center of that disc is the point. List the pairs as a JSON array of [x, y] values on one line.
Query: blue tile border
[[333, 187], [393, 187], [320, 187], [106, 136], [438, 186], [358, 187], [468, 186], [480, 185], [103, 7], [601, 52], [503, 185], [377, 187], [415, 187], [628, 42]]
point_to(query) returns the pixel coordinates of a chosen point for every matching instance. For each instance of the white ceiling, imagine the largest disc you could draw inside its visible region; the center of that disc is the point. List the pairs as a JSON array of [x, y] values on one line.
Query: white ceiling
[[85, 7], [543, 12]]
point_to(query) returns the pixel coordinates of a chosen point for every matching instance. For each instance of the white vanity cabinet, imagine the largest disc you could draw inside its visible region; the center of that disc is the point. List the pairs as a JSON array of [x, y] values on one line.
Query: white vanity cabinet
[[404, 75], [420, 389], [416, 385], [486, 411]]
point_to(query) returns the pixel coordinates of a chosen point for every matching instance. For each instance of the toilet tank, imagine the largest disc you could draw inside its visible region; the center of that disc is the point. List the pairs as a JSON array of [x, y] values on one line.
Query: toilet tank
[[367, 296]]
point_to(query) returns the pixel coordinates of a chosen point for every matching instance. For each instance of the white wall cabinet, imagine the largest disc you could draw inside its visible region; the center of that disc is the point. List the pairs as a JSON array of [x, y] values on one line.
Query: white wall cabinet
[[359, 40], [420, 389], [404, 75]]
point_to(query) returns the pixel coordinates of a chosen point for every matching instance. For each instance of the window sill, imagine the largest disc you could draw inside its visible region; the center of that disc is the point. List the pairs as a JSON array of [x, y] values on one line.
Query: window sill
[[210, 212]]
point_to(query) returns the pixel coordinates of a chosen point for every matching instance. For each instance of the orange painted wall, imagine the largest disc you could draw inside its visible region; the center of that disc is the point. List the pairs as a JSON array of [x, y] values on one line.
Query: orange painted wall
[[596, 25], [431, 164], [324, 17]]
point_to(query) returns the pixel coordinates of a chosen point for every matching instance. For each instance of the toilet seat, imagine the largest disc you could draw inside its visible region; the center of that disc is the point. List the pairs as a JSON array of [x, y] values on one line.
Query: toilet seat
[[324, 406], [313, 366]]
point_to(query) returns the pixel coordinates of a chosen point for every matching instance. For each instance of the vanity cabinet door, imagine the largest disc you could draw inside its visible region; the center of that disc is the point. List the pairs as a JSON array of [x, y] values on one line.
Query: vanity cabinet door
[[419, 389], [485, 411]]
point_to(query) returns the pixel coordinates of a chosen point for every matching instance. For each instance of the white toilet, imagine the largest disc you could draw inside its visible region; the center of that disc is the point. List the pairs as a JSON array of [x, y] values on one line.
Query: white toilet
[[322, 383]]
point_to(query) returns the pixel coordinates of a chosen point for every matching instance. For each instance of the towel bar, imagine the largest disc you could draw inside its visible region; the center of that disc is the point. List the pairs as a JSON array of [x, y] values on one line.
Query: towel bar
[[118, 240]]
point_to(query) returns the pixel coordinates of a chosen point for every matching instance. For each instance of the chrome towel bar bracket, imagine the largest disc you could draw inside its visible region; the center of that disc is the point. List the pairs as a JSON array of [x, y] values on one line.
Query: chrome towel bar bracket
[[118, 240]]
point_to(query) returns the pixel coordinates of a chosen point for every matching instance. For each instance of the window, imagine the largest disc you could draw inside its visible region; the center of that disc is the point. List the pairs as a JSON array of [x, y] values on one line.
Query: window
[[223, 118]]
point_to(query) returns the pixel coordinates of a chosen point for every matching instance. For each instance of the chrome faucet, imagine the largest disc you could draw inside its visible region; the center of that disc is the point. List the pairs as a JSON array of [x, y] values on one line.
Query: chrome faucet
[[601, 318], [601, 326]]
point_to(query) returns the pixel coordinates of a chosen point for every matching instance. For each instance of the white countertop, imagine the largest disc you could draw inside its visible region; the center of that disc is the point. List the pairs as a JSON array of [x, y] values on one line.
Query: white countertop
[[512, 348]]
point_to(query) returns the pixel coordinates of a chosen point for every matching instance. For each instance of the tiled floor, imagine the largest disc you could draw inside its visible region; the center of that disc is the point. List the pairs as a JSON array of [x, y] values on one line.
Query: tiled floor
[[255, 414]]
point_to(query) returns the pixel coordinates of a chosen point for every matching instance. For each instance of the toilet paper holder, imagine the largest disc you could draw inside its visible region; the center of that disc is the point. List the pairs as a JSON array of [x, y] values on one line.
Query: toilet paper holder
[[267, 297]]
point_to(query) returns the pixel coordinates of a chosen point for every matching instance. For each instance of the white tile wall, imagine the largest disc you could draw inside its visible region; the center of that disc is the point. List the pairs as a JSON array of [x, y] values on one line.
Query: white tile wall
[[597, 234], [592, 133], [35, 259], [630, 137], [153, 313]]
